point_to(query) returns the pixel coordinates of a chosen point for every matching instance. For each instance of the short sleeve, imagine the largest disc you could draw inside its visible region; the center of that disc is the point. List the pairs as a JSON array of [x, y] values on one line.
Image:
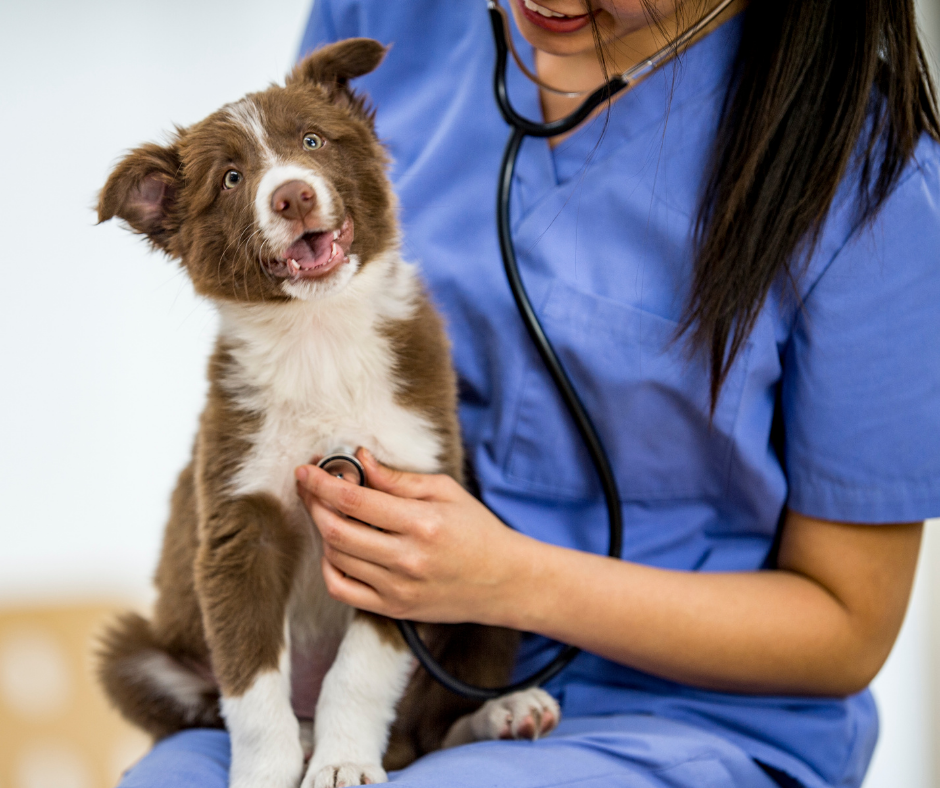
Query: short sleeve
[[861, 381]]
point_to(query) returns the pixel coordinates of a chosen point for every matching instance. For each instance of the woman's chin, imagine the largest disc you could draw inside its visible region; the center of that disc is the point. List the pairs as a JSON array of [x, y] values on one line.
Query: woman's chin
[[580, 41]]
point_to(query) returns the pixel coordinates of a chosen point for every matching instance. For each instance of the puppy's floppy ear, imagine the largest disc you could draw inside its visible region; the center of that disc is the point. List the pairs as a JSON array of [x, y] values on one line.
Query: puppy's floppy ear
[[142, 191], [333, 65]]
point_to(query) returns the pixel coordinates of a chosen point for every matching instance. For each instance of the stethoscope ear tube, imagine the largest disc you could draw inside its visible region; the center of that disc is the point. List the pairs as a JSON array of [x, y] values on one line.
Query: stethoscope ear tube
[[521, 123]]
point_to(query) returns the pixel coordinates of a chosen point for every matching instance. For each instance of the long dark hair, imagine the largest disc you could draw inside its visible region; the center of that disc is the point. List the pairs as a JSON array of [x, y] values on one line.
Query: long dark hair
[[820, 87]]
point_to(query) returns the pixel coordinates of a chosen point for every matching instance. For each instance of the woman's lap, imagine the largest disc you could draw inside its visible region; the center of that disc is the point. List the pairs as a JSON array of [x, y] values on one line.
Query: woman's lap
[[632, 751]]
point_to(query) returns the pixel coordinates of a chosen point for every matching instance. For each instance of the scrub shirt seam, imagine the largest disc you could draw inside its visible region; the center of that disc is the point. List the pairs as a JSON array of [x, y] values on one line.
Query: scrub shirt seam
[[926, 483], [856, 227], [886, 498]]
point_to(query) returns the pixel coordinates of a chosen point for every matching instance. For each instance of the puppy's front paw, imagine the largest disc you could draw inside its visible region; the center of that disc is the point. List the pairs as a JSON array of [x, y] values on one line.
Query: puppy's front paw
[[343, 774], [526, 714]]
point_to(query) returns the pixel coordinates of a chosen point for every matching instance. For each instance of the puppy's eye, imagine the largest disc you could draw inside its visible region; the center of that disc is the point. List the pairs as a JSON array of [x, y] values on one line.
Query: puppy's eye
[[232, 179], [313, 141]]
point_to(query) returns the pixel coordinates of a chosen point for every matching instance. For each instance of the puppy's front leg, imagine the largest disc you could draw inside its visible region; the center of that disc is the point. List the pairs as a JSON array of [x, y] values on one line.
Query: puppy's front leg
[[245, 567], [357, 705]]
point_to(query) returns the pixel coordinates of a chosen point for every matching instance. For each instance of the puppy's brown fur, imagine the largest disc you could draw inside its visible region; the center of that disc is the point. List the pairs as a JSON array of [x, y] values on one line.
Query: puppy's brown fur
[[236, 566]]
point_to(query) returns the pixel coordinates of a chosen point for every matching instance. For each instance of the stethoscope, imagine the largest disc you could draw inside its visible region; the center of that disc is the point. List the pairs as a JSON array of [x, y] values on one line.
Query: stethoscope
[[346, 466]]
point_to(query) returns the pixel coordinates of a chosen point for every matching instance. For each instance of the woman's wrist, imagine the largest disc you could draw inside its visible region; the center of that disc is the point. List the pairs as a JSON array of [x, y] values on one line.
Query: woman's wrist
[[525, 586]]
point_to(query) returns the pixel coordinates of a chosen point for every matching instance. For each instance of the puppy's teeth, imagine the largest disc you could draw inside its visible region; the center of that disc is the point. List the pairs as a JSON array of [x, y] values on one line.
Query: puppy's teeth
[[335, 234]]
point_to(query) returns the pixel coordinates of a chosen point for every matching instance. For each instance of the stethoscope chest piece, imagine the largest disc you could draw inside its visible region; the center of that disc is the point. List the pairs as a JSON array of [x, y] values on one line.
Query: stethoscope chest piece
[[344, 466]]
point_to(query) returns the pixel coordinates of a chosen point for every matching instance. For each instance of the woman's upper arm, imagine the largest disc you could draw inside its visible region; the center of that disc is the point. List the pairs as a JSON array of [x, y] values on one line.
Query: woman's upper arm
[[861, 410], [867, 569]]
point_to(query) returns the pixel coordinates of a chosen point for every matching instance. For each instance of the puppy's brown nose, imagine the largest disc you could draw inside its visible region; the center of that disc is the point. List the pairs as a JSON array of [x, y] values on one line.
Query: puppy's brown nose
[[293, 200]]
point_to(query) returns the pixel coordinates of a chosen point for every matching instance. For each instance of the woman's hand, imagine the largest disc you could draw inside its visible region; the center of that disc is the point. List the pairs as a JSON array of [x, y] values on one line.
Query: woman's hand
[[440, 555]]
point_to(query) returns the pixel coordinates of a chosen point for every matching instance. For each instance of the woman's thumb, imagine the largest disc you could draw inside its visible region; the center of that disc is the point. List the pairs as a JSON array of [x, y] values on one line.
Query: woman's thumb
[[388, 480]]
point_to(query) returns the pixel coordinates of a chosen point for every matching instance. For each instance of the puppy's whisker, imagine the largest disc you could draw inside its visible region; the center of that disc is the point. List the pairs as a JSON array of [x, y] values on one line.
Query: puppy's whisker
[[239, 255], [235, 241], [246, 260]]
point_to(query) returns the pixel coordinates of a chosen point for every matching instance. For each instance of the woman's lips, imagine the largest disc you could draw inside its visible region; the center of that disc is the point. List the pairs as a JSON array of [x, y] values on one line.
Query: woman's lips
[[554, 24]]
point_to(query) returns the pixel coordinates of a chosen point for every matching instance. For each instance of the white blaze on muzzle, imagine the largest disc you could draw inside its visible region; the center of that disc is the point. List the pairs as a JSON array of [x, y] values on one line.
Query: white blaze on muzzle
[[281, 232]]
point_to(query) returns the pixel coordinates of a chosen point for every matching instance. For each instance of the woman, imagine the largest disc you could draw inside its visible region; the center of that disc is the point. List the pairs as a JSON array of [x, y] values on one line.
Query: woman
[[737, 261]]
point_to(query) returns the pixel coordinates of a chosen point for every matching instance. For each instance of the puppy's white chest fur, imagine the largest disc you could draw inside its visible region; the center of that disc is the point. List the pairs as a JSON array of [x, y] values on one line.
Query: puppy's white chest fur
[[322, 374]]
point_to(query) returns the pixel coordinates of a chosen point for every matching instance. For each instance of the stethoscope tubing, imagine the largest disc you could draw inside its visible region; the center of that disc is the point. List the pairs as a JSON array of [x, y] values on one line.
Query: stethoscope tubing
[[522, 128], [566, 389]]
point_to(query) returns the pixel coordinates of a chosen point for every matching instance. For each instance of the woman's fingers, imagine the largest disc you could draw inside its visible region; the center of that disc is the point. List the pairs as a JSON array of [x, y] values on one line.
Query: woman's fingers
[[353, 537], [400, 483], [373, 575], [370, 506], [366, 586], [350, 590]]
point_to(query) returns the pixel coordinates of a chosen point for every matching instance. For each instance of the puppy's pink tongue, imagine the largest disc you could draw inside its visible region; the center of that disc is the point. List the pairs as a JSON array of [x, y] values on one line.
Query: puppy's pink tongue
[[311, 251]]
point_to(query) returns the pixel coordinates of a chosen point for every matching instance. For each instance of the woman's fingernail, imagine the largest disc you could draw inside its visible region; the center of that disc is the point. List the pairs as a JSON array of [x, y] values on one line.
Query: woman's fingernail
[[367, 455], [301, 473]]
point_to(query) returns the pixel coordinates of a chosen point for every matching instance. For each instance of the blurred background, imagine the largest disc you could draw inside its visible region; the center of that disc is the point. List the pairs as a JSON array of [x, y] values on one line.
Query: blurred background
[[102, 352]]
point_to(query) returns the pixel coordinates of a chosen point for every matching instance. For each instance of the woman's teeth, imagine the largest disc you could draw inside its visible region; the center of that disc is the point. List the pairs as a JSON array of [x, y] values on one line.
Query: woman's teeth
[[542, 10]]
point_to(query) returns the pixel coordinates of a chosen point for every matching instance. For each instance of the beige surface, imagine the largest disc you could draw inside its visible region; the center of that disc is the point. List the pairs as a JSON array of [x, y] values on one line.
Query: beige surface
[[56, 728]]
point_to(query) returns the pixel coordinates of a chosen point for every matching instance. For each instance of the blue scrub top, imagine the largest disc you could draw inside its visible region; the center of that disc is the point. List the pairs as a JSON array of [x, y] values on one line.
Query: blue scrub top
[[602, 228]]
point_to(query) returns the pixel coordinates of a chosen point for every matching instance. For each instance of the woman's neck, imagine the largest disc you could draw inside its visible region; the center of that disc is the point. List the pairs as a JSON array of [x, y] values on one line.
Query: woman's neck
[[582, 71]]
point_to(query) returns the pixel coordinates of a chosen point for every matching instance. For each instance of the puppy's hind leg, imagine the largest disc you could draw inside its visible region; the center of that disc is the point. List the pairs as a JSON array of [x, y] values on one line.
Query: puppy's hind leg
[[245, 568], [357, 704], [526, 714]]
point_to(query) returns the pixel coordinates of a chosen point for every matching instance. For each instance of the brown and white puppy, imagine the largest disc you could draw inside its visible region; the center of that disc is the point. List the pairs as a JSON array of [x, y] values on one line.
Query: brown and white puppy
[[279, 209]]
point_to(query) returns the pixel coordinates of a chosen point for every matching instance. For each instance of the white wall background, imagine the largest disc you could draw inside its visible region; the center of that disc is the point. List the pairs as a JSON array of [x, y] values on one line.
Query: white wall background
[[908, 687], [102, 345]]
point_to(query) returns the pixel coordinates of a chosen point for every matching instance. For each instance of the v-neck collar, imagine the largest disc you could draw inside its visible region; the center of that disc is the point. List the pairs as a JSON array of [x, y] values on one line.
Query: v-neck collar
[[694, 77]]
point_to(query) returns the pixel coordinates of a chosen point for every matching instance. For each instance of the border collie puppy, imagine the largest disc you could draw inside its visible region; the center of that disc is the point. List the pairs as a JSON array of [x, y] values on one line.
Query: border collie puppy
[[279, 209]]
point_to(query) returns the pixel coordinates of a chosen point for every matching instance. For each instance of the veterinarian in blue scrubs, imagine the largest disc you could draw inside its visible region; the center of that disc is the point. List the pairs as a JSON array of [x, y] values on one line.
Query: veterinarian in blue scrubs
[[821, 456]]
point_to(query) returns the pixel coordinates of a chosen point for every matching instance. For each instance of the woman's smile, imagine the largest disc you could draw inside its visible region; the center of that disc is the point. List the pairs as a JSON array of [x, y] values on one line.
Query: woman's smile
[[552, 20]]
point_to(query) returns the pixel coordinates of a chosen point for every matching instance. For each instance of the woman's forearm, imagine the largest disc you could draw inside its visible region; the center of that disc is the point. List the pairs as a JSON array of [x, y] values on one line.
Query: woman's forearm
[[766, 632], [821, 624]]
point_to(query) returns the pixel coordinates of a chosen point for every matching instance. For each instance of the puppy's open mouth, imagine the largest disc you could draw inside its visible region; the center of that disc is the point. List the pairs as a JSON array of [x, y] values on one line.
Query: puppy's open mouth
[[314, 254]]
